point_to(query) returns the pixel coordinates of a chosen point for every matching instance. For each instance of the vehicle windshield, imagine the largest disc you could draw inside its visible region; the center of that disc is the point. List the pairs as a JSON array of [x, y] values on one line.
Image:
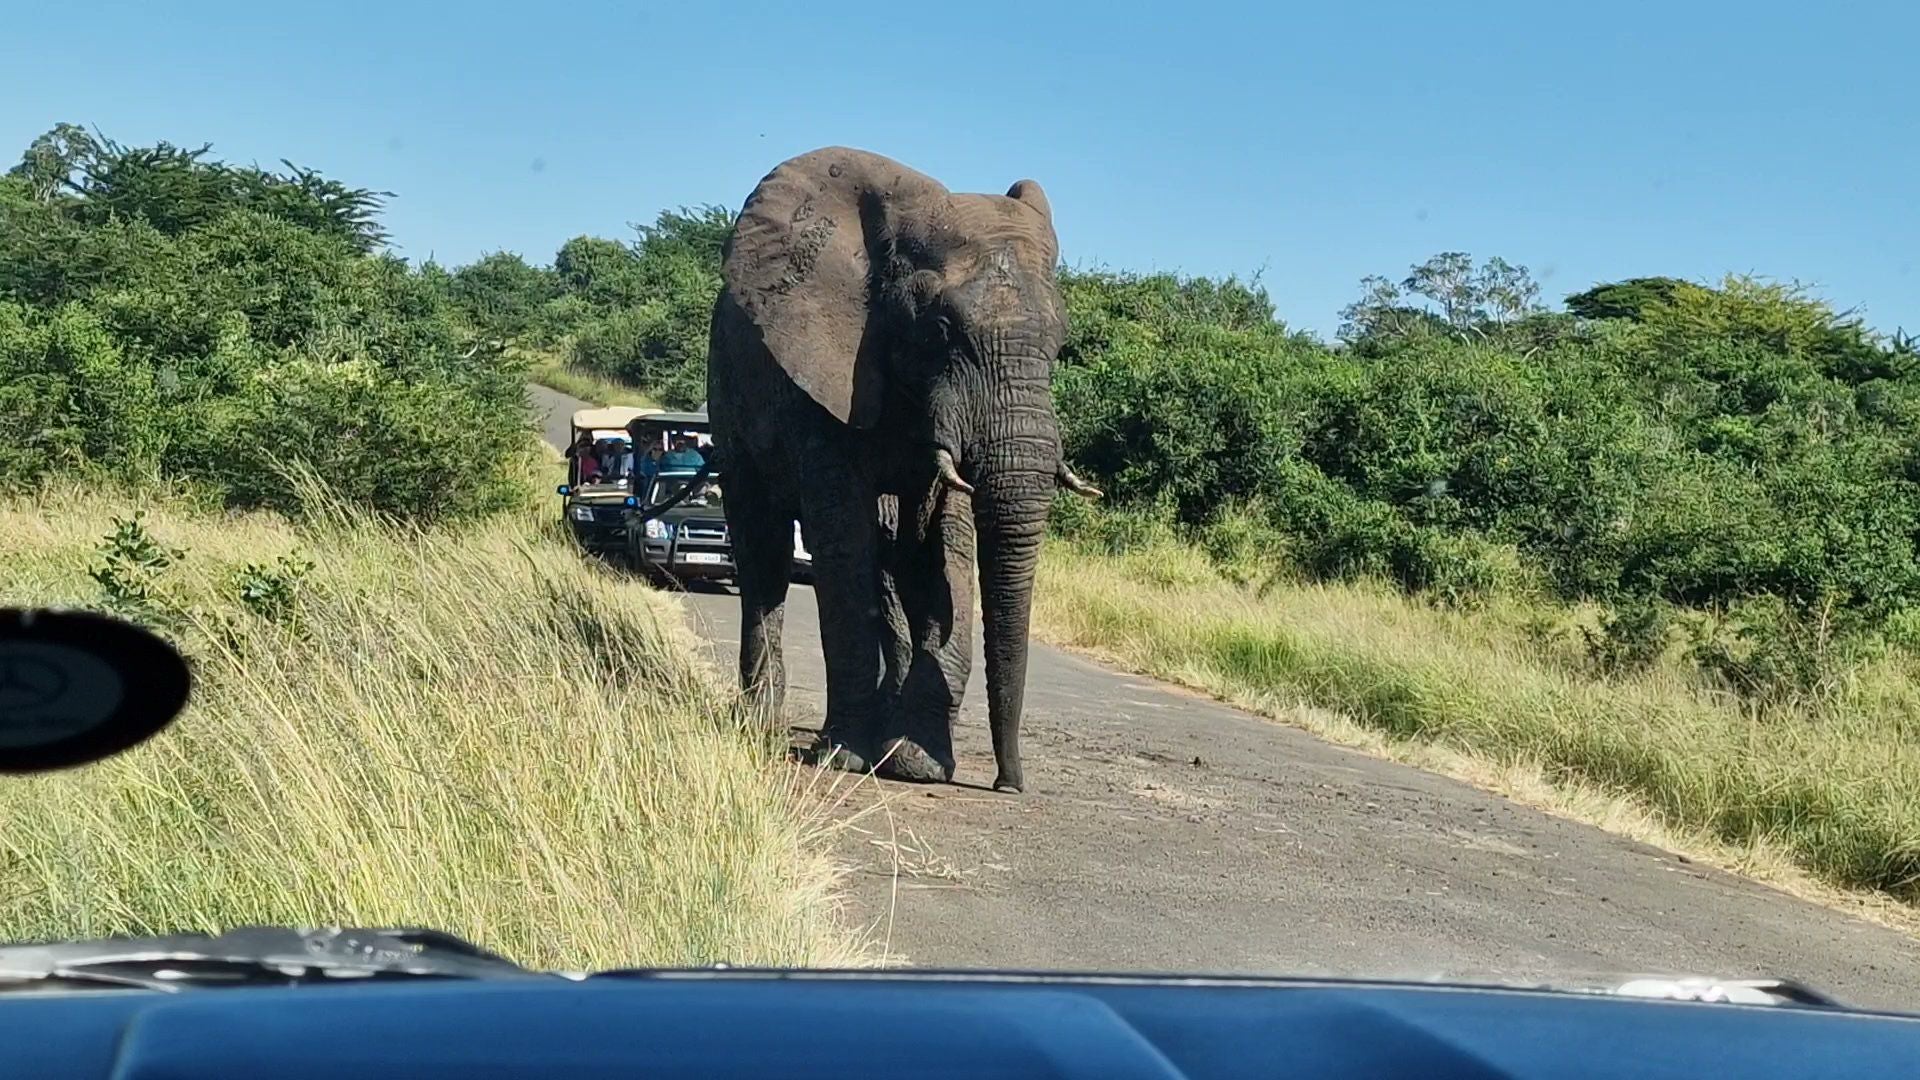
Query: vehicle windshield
[[666, 487], [1375, 490]]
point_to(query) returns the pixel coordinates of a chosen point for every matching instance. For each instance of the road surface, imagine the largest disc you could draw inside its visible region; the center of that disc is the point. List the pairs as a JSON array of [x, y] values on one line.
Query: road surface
[[1166, 832]]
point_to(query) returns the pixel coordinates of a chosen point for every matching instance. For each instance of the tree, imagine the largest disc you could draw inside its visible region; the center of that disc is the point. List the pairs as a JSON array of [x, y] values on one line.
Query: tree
[[1445, 295], [175, 189], [1505, 293], [165, 315], [501, 294], [1384, 311], [305, 198], [600, 271], [52, 162], [698, 234], [1627, 299]]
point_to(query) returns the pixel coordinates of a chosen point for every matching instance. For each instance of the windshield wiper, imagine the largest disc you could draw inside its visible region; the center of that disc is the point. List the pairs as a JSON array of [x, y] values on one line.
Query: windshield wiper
[[251, 956]]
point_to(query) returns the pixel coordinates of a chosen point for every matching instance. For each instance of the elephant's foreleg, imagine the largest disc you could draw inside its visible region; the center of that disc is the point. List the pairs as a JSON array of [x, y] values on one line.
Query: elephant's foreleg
[[896, 637], [935, 579], [762, 541], [847, 588]]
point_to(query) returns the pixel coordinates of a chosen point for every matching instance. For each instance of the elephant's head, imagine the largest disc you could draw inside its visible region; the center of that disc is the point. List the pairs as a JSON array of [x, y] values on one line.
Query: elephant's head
[[884, 295]]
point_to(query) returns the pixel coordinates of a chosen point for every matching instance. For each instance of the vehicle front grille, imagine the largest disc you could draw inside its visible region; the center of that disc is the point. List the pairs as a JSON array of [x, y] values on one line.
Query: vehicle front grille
[[609, 515], [700, 530]]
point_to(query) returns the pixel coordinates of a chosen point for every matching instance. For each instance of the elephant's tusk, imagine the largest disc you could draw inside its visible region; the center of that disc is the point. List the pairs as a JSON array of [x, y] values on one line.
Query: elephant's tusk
[[1073, 483], [949, 475]]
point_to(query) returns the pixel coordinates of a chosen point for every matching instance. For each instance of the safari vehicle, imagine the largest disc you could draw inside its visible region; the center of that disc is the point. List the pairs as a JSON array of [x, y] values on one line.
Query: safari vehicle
[[682, 534], [377, 1002], [598, 494], [687, 541], [678, 530]]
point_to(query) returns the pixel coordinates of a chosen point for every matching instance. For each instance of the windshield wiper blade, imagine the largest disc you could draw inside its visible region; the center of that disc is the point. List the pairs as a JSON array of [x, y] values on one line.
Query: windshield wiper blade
[[252, 956]]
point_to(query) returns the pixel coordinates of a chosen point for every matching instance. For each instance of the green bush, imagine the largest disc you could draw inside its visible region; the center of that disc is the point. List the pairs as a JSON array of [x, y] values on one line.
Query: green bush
[[1718, 448], [502, 295], [634, 313], [131, 571], [1631, 637], [166, 317], [1771, 650], [652, 346]]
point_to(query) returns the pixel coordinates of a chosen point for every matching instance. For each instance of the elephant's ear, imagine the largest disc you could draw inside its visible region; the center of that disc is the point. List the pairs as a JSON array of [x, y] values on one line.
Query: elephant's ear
[[1027, 193], [800, 264]]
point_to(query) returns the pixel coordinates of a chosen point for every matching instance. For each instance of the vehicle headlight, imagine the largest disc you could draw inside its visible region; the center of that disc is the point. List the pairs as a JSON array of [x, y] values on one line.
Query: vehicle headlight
[[582, 513], [658, 530]]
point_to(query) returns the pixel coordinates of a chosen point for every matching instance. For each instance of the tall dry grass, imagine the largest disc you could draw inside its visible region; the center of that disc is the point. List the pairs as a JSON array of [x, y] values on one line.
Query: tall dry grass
[[473, 730], [1836, 793]]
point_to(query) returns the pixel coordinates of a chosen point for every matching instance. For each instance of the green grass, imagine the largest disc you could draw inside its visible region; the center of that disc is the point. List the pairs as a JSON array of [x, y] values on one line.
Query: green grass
[[587, 386], [473, 730], [1836, 794]]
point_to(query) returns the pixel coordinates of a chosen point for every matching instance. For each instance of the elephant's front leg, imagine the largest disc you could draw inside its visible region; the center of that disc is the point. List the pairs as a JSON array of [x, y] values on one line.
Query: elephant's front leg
[[847, 589], [896, 638], [935, 581], [763, 557]]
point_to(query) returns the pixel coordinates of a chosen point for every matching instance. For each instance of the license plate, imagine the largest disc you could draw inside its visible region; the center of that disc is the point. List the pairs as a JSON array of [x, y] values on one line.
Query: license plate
[[707, 557]]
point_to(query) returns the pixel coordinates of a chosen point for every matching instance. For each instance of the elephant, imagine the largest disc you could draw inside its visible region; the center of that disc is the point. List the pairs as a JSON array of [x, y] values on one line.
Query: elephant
[[879, 370]]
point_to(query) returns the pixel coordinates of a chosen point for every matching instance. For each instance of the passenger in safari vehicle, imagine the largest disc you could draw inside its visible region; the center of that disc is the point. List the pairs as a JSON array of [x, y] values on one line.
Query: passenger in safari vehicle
[[587, 467], [683, 455], [648, 463], [616, 459]]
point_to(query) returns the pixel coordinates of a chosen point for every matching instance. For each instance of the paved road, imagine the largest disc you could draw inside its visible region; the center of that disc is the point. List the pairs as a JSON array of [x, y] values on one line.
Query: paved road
[[1168, 832], [555, 410]]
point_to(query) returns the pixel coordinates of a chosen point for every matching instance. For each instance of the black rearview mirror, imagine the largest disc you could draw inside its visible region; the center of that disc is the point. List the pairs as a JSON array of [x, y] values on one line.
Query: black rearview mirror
[[77, 687]]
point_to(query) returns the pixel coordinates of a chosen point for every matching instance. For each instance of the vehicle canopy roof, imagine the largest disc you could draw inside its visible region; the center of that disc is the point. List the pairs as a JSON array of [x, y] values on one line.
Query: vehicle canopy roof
[[671, 421], [650, 429], [607, 422]]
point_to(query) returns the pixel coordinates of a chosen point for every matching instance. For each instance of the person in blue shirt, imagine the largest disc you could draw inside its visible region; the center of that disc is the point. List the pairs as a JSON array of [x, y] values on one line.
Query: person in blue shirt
[[647, 465], [683, 455]]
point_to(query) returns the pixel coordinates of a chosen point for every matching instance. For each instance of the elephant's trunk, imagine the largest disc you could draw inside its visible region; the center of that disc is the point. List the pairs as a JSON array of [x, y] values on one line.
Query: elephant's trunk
[[1009, 546], [1014, 472]]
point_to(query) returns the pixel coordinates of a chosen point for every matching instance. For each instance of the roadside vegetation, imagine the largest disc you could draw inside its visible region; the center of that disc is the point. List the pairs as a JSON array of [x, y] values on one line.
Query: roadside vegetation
[[1507, 694], [167, 318], [589, 386], [1660, 545], [464, 727], [630, 315]]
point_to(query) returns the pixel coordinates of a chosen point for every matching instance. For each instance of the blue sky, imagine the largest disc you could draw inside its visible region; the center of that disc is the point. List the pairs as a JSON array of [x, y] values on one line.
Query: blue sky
[[1587, 141]]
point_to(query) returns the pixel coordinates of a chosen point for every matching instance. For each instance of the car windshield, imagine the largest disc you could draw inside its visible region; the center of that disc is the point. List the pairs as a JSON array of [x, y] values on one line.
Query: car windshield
[[666, 487], [1350, 489]]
